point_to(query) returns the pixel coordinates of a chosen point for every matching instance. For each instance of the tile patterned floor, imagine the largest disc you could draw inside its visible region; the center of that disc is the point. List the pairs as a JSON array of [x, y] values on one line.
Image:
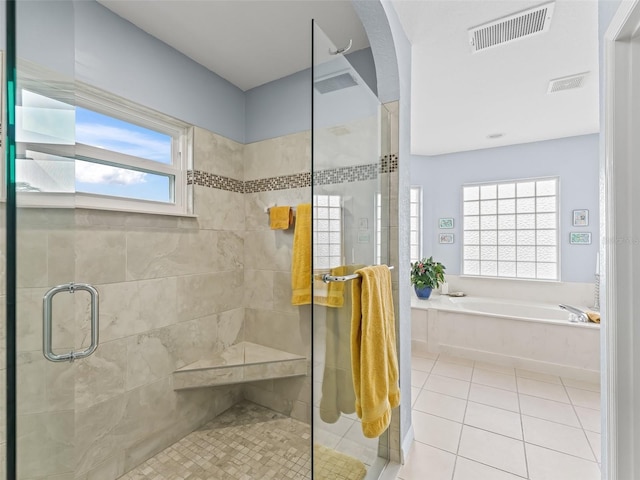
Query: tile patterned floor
[[246, 442], [478, 421]]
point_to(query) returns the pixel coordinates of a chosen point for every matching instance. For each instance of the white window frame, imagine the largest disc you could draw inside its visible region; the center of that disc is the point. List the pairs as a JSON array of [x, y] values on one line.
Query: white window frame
[[108, 104], [418, 217], [556, 228]]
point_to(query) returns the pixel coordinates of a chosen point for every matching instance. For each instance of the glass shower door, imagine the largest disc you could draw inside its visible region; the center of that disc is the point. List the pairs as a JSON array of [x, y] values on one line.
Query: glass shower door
[[350, 230], [53, 332]]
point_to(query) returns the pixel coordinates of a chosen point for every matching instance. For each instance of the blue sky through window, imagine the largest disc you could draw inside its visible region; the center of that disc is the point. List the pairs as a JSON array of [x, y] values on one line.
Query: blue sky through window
[[110, 133], [102, 131], [121, 182]]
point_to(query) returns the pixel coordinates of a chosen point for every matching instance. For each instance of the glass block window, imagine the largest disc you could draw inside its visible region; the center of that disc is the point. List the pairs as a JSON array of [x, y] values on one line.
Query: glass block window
[[415, 217], [511, 229], [327, 232]]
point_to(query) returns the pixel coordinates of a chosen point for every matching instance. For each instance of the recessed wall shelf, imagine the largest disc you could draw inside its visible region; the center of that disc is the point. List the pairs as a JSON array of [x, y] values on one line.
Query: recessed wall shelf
[[240, 363]]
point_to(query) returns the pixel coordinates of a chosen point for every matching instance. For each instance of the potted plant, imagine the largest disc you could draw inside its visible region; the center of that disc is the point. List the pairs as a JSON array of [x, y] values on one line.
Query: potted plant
[[426, 274]]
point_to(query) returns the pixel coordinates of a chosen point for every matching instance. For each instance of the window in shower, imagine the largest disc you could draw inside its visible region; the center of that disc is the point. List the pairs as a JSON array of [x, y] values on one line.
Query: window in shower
[[107, 152], [510, 229], [327, 232], [415, 217]]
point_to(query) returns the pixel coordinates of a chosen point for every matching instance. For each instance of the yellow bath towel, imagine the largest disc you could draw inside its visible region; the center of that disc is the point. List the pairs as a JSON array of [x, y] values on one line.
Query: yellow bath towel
[[373, 349], [280, 217], [338, 395], [594, 317], [330, 294], [301, 257]]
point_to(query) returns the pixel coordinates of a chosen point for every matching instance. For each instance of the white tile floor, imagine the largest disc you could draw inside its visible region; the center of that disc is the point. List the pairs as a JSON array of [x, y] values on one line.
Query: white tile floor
[[478, 421]]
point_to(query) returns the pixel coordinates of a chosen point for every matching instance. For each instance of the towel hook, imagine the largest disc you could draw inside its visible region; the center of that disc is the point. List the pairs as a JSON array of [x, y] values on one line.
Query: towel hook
[[342, 50]]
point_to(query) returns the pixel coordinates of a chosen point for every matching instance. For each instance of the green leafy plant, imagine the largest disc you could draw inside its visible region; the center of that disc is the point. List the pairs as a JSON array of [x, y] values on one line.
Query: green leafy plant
[[427, 273]]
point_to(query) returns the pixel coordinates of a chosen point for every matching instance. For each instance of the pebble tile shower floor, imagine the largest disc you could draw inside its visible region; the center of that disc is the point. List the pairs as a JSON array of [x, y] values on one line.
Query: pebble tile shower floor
[[246, 442]]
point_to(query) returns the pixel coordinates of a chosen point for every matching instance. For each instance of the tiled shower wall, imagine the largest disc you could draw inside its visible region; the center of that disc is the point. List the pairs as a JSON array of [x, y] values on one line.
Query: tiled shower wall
[[173, 289], [270, 172], [270, 319], [171, 292]]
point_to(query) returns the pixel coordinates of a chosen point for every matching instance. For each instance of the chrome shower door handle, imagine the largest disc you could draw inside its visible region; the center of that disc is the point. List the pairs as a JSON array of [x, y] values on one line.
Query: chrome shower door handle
[[47, 337]]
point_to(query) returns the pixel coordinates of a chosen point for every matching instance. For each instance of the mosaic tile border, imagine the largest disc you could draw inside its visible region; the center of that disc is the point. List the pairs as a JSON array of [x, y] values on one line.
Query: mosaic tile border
[[211, 180], [283, 182], [332, 176]]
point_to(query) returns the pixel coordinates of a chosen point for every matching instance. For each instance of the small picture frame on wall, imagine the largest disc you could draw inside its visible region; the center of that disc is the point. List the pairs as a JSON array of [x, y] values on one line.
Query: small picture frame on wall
[[445, 238], [581, 218], [445, 223], [580, 238]]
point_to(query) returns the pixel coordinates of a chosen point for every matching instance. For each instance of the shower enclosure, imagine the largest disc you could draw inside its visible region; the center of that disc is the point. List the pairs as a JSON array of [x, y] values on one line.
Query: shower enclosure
[[351, 177], [147, 298]]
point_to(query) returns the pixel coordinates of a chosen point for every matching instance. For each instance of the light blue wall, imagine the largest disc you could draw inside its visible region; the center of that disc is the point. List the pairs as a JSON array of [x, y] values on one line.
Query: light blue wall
[[573, 159], [116, 56], [83, 39], [283, 106]]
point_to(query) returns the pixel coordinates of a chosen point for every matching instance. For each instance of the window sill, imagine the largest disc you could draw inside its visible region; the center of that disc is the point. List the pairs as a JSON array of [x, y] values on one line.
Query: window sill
[[84, 202]]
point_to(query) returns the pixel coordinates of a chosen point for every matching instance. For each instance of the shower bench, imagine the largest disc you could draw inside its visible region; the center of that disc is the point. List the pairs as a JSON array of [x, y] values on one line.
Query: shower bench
[[242, 362]]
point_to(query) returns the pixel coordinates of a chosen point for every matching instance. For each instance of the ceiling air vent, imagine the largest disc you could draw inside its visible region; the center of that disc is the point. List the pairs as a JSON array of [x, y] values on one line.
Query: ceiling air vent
[[334, 82], [511, 28], [566, 83]]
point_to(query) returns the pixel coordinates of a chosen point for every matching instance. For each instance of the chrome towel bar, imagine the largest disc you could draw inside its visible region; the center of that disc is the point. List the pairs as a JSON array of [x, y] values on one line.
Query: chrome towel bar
[[326, 278]]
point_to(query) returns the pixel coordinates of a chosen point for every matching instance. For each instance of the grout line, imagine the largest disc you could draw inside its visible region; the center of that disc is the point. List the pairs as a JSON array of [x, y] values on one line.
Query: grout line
[[517, 393], [524, 446], [573, 407], [493, 466], [466, 405], [563, 453]]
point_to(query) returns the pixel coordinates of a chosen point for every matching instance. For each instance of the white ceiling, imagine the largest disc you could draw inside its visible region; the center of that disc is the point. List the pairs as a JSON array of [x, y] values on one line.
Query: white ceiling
[[247, 42], [459, 98]]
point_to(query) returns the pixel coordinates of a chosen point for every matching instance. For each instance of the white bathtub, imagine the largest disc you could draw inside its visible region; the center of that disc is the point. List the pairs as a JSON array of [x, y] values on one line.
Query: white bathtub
[[536, 312], [533, 336]]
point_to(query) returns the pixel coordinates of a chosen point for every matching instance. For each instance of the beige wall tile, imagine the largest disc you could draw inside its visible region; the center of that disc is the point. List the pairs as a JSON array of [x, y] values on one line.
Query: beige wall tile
[[230, 327], [214, 153], [99, 433], [102, 375], [270, 249], [284, 331], [44, 444], [282, 293], [207, 294], [272, 400], [31, 258], [258, 289], [219, 209], [278, 156], [61, 261], [29, 320], [112, 467], [148, 360], [170, 253], [100, 256]]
